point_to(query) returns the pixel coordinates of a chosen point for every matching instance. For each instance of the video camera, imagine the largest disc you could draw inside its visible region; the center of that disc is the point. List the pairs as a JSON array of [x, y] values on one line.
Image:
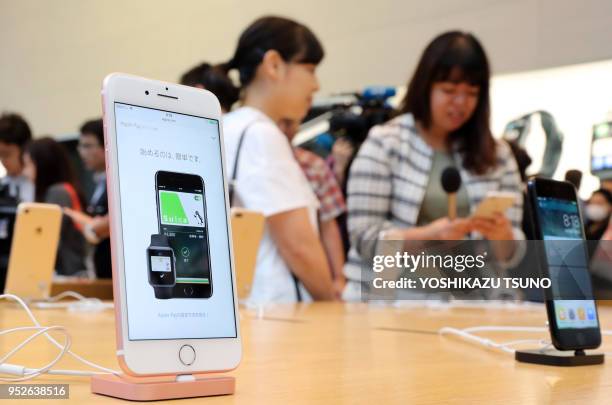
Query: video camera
[[349, 116]]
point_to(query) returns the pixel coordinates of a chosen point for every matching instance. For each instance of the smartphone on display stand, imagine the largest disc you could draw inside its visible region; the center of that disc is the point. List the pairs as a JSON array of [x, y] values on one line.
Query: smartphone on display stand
[[37, 230], [170, 229], [570, 306]]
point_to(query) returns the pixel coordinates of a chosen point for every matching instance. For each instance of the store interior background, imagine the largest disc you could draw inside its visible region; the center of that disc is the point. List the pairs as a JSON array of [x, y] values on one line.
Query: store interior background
[[554, 55]]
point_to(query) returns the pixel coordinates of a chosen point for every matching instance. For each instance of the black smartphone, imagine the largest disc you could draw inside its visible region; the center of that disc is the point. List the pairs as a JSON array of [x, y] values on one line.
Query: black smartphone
[[181, 215], [570, 305]]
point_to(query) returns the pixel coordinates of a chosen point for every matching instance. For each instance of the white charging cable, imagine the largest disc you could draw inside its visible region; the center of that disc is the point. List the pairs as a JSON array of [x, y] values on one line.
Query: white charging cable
[[469, 335], [82, 303], [24, 373], [460, 304]]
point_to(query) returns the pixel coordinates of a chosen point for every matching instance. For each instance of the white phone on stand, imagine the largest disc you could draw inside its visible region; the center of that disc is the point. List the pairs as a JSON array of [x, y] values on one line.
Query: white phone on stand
[[170, 239]]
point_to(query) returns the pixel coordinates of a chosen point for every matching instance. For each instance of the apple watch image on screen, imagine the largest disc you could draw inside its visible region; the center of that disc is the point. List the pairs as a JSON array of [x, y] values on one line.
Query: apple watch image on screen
[[162, 266], [181, 214]]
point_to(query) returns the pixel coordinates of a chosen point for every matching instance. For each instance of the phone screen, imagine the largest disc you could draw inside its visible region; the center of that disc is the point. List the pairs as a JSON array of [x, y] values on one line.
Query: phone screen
[[182, 219], [170, 175], [567, 263], [161, 264], [601, 148]]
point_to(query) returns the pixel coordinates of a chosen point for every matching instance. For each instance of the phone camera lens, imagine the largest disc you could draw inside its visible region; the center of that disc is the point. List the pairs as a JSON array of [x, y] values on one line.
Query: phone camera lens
[[147, 92], [166, 89], [27, 211]]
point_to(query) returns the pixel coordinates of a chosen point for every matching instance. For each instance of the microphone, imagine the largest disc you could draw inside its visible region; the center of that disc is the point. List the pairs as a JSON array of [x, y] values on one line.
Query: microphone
[[451, 181], [574, 177]]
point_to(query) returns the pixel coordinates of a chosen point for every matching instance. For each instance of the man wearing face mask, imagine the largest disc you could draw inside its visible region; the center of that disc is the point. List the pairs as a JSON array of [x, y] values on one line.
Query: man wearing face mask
[[597, 212]]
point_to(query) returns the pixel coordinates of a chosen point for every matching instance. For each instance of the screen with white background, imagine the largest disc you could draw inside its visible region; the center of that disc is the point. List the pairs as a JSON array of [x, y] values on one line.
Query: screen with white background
[[161, 264], [148, 141]]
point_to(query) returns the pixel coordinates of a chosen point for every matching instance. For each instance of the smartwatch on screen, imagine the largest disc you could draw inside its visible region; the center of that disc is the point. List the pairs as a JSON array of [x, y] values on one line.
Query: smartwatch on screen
[[161, 263]]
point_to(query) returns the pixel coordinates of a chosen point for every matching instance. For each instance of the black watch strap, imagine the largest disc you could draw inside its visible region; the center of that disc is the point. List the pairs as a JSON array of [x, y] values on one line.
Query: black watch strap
[[163, 292], [159, 240]]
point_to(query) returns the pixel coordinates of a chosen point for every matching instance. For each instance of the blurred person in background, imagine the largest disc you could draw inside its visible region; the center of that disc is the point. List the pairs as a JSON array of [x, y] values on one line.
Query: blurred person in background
[[15, 133], [328, 192], [341, 156], [608, 233], [597, 212], [394, 182], [46, 164], [276, 59], [606, 184], [598, 227], [575, 177], [94, 222]]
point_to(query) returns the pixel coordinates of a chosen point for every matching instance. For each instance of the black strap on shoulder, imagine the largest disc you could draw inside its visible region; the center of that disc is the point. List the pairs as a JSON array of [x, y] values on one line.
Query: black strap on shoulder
[[296, 283], [232, 184], [232, 187]]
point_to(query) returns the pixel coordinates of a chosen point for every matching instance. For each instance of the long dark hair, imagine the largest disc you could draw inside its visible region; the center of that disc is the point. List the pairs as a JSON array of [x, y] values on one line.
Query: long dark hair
[[456, 57], [293, 41], [52, 166]]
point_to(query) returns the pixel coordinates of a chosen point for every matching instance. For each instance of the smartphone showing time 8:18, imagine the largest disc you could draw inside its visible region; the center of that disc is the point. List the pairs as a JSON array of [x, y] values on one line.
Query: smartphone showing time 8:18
[[570, 304]]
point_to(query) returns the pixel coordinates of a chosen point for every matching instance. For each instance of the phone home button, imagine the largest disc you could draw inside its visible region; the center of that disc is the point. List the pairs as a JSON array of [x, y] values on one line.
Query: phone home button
[[187, 355], [188, 291]]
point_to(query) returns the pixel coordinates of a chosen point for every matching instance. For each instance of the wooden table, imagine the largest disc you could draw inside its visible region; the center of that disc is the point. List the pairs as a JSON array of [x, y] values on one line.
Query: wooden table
[[97, 288], [350, 354]]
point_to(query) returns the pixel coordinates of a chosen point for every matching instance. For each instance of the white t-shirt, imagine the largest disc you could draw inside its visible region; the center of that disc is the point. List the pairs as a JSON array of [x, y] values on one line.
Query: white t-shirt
[[269, 181]]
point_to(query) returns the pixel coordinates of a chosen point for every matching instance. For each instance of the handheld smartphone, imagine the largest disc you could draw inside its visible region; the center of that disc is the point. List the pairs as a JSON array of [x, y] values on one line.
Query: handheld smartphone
[[33, 250], [495, 201], [181, 215], [571, 309], [166, 138]]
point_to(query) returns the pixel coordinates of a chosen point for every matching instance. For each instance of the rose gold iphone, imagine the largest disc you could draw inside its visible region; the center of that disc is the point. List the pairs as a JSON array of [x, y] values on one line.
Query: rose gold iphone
[[170, 229]]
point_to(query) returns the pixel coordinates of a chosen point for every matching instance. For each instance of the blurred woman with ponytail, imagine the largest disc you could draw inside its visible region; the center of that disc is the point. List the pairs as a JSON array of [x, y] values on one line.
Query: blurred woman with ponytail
[[276, 59]]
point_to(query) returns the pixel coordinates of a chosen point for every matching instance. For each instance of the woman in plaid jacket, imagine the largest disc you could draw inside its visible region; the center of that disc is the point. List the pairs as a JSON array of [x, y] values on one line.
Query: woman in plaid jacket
[[394, 182]]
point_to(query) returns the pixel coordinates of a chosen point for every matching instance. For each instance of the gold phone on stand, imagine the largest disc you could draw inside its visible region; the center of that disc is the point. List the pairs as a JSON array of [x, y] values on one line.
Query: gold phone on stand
[[33, 250]]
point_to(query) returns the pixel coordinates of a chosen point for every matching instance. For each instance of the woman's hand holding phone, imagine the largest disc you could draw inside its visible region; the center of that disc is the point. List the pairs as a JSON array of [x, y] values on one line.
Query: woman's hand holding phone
[[440, 229], [498, 230], [496, 227], [449, 229]]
